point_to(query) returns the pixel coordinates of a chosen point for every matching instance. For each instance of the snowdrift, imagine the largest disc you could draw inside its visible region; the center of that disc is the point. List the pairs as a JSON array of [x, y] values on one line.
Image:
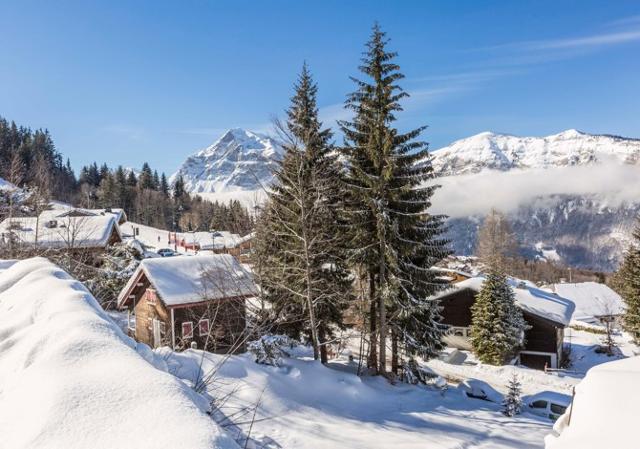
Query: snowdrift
[[69, 377], [604, 413]]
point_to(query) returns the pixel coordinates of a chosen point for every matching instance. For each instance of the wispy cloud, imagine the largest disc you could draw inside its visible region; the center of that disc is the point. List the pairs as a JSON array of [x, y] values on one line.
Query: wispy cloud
[[594, 40], [625, 21], [130, 132]]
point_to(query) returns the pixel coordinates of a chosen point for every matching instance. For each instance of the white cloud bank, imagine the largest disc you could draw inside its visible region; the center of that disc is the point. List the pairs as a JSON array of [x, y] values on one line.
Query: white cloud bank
[[476, 194]]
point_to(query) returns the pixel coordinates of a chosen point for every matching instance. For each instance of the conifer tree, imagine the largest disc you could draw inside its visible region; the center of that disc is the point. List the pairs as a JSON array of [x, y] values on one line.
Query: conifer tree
[[395, 238], [512, 403], [164, 185], [145, 180], [497, 325], [627, 284], [305, 274]]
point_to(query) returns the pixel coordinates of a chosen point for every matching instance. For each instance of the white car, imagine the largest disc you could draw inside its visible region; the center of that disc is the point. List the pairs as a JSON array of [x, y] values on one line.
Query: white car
[[548, 404]]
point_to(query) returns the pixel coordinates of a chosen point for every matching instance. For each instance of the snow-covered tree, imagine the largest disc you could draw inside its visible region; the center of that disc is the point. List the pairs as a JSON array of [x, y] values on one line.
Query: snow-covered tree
[[627, 283], [497, 325], [302, 269], [512, 403], [106, 280], [394, 236], [271, 349]]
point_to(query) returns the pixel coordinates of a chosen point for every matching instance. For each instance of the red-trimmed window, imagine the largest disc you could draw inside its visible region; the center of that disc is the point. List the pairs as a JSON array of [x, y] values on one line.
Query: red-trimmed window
[[187, 329], [203, 328]]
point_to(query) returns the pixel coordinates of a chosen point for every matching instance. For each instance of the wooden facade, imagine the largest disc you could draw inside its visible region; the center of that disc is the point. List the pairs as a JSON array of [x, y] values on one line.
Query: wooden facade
[[543, 341], [216, 325]]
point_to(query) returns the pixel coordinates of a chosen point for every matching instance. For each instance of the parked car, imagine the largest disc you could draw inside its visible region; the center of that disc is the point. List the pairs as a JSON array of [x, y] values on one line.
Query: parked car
[[474, 388], [166, 252], [548, 404]]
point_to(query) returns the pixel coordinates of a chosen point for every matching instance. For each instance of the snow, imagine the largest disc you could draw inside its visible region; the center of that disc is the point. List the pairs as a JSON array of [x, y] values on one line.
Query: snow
[[159, 238], [591, 300], [547, 252], [70, 378], [240, 160], [605, 409], [69, 232], [491, 151], [191, 279], [60, 209], [303, 404], [528, 297]]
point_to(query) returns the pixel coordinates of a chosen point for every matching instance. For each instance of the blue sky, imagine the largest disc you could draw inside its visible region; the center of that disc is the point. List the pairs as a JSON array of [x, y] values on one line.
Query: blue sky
[[132, 81]]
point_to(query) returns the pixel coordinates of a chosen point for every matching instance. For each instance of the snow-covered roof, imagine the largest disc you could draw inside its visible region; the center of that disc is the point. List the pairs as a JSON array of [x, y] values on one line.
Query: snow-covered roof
[[59, 209], [604, 413], [591, 299], [452, 271], [527, 297], [191, 279], [68, 232], [70, 378], [220, 239]]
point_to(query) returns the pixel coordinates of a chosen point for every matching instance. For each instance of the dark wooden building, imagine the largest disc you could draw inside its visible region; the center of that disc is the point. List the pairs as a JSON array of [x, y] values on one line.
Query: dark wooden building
[[546, 313], [187, 301]]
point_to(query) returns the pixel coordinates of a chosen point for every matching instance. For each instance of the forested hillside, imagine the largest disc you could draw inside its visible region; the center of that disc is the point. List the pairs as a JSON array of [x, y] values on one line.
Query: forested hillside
[[30, 159]]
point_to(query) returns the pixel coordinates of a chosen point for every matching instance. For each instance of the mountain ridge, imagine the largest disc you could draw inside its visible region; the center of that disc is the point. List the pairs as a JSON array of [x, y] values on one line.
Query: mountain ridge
[[583, 229], [489, 150], [238, 160]]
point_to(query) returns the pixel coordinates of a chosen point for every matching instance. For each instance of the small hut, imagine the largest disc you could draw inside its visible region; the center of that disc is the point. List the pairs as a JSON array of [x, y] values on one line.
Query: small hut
[[189, 300], [546, 313]]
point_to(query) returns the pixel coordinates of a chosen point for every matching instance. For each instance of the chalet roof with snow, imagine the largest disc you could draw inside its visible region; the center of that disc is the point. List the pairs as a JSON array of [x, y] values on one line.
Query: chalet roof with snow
[[591, 299], [66, 210], [93, 231], [184, 280], [528, 298]]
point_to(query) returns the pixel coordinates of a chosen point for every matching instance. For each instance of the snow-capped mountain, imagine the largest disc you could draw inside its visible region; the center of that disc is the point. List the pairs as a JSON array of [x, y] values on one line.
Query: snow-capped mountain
[[582, 194], [240, 160], [504, 152], [572, 195]]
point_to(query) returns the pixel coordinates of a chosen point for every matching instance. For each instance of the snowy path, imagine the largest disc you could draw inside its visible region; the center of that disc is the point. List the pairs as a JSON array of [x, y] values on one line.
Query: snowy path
[[307, 405]]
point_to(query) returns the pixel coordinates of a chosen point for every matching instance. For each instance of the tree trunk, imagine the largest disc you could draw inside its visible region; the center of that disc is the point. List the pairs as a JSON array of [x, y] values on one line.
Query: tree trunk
[[373, 336], [382, 311], [322, 336], [394, 351]]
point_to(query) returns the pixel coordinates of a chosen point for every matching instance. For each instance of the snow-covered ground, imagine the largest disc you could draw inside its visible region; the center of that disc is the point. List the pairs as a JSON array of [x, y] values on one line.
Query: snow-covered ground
[[155, 239], [303, 404], [70, 378], [583, 357]]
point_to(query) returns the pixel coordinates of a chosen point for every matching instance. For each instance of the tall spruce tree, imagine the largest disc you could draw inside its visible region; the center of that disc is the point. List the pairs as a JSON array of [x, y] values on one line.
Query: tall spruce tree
[[396, 240], [304, 274], [627, 282], [497, 325]]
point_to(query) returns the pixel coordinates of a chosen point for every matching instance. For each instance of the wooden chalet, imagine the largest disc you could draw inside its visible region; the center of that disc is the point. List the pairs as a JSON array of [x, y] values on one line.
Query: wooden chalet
[[546, 313], [184, 301], [93, 233]]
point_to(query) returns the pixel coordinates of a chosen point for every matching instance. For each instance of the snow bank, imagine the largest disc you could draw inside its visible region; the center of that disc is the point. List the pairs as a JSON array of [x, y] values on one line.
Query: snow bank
[[305, 405], [605, 410], [69, 377]]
